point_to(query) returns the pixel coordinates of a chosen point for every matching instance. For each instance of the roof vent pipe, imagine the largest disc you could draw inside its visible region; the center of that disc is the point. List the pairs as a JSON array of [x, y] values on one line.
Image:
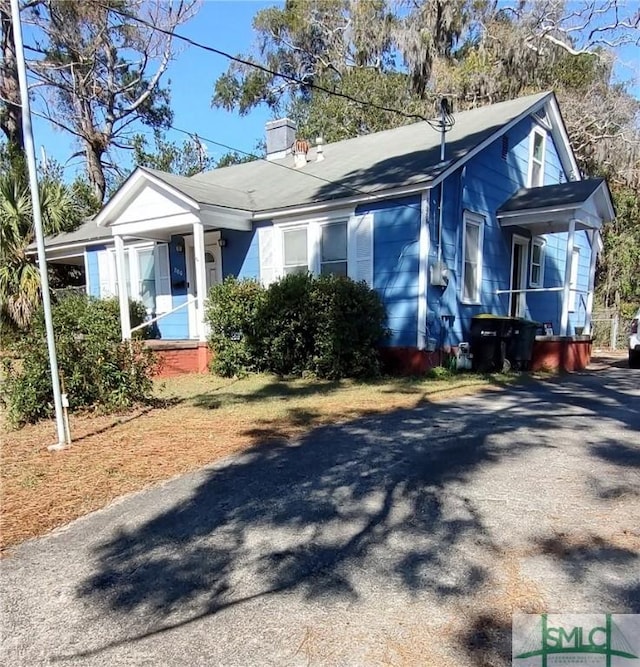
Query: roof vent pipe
[[300, 150], [319, 149]]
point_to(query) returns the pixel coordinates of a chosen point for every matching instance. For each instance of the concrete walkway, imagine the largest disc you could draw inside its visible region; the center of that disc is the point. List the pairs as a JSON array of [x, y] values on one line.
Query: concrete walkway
[[403, 539]]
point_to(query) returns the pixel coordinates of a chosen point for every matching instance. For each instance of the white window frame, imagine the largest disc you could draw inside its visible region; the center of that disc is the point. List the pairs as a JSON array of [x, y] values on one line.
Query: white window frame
[[573, 279], [328, 223], [314, 231], [538, 242], [536, 131], [293, 228], [521, 296], [131, 256], [477, 220]]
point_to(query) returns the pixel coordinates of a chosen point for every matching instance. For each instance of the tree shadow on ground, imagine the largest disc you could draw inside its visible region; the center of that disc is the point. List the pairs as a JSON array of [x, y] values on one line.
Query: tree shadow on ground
[[376, 503]]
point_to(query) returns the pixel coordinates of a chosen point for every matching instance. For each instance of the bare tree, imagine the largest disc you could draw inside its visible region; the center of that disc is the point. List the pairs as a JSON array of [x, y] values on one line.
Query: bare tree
[[97, 67]]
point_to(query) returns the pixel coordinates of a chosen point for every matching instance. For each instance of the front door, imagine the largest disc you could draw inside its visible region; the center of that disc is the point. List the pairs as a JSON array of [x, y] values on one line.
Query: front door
[[519, 256], [213, 269]]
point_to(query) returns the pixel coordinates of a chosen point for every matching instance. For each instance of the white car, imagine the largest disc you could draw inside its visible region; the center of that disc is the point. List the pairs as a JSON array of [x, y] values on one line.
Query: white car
[[634, 342]]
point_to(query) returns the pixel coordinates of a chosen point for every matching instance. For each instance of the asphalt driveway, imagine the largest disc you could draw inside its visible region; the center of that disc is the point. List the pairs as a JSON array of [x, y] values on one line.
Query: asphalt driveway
[[404, 539]]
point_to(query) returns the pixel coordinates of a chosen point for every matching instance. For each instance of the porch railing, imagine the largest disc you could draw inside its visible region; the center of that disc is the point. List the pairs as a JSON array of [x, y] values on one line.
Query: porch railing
[[153, 320]]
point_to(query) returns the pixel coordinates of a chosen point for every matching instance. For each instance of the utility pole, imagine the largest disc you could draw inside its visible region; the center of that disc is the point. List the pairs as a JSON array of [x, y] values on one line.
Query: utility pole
[[30, 154]]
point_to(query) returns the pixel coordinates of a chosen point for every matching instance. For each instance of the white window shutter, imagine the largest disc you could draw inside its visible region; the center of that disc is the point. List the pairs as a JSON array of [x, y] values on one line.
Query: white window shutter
[[104, 273], [267, 255], [360, 248], [162, 272]]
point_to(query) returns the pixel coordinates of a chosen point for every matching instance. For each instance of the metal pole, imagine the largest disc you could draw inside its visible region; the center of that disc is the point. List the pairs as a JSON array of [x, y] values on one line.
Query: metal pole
[[29, 150]]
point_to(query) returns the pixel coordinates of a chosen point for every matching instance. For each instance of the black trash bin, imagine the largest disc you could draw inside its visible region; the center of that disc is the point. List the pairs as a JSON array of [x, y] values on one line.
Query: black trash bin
[[520, 345], [490, 336]]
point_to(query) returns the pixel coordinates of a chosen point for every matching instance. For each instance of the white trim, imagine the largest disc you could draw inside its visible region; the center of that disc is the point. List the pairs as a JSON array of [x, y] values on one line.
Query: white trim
[[123, 298], [489, 140], [561, 141], [335, 215], [300, 211], [566, 291], [319, 226], [169, 222], [573, 279], [477, 220], [536, 132], [522, 242], [192, 310], [423, 246], [540, 242], [279, 239], [594, 238], [128, 188], [87, 284]]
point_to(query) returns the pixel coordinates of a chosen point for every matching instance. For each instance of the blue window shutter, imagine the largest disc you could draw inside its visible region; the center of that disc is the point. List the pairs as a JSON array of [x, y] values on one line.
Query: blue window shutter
[[360, 248], [164, 301]]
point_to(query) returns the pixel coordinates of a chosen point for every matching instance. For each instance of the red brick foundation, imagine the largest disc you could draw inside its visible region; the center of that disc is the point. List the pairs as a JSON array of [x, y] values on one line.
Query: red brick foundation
[[408, 360], [179, 357], [566, 353]]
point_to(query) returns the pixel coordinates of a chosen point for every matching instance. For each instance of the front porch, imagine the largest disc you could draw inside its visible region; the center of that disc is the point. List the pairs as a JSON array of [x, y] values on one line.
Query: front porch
[[180, 232], [565, 218]]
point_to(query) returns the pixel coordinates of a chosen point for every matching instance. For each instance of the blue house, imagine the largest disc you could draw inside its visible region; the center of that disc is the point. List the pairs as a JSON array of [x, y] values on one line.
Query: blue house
[[503, 225]]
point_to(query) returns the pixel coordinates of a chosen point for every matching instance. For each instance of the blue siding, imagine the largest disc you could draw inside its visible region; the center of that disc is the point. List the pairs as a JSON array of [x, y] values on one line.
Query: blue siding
[[241, 256], [396, 230], [481, 187], [176, 325], [93, 270]]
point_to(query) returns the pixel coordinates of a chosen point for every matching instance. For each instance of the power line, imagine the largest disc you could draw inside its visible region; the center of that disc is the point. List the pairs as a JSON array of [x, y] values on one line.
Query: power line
[[273, 162], [435, 124]]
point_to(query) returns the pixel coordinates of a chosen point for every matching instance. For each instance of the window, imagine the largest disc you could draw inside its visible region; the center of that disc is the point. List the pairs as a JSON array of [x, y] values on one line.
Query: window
[[333, 249], [140, 275], [536, 277], [146, 268], [472, 258], [536, 161], [573, 279], [294, 245]]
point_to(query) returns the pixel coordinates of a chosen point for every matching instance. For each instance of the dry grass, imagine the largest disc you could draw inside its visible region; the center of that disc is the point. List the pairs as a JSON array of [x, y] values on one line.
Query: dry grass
[[203, 418]]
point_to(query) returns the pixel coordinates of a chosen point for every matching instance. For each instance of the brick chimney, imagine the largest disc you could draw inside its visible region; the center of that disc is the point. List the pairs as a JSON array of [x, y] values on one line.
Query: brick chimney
[[281, 136]]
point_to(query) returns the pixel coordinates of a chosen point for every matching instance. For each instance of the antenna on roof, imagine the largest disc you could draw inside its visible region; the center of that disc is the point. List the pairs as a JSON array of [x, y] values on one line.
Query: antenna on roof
[[445, 123]]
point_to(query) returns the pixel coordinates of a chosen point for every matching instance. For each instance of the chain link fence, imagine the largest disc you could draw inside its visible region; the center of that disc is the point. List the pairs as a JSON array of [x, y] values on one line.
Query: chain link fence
[[610, 330]]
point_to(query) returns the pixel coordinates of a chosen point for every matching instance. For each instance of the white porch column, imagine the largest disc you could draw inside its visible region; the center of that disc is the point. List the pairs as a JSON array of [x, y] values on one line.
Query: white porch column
[[201, 278], [123, 297], [566, 293], [594, 238]]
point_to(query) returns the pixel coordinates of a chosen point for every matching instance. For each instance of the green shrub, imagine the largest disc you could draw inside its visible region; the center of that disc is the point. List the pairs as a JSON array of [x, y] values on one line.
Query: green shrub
[[100, 371], [231, 312], [285, 326], [350, 325], [329, 326]]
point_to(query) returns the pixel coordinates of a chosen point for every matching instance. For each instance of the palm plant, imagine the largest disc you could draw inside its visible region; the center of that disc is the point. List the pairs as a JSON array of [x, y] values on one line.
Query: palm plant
[[19, 276]]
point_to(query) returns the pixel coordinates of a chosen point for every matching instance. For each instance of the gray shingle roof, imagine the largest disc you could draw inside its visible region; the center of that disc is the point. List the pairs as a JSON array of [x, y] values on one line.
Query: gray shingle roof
[[403, 156], [206, 193], [87, 232], [548, 196]]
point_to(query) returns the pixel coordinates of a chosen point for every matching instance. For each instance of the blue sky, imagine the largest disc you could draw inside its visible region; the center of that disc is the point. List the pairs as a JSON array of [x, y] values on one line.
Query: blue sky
[[227, 26]]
